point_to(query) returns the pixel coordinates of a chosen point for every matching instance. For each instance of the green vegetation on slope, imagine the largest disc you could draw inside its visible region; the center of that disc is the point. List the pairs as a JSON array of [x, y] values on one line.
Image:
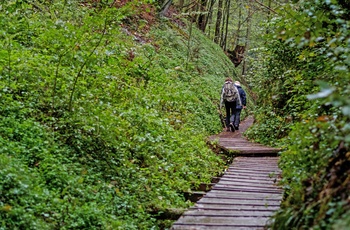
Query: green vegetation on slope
[[101, 128]]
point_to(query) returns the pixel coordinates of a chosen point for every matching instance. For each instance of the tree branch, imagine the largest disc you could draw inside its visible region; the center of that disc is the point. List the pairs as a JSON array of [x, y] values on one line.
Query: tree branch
[[269, 8]]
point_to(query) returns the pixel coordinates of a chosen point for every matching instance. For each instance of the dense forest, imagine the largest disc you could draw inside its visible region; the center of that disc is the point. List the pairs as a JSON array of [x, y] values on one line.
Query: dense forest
[[106, 106]]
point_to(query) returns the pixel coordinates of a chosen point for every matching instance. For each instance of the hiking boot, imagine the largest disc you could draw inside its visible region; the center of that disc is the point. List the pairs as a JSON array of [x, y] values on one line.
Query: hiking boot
[[236, 127], [231, 127]]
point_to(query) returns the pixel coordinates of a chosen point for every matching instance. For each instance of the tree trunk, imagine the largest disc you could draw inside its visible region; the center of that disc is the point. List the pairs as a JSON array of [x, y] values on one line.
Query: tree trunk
[[210, 14], [222, 30], [218, 23], [268, 16], [237, 39], [165, 7], [202, 18], [247, 39], [228, 6]]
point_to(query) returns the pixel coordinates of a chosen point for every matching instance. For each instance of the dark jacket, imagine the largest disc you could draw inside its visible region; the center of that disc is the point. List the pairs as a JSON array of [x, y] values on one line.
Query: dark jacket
[[242, 96]]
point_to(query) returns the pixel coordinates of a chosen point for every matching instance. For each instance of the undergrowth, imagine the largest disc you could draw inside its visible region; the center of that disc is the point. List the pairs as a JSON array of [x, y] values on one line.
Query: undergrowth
[[302, 84], [100, 127]]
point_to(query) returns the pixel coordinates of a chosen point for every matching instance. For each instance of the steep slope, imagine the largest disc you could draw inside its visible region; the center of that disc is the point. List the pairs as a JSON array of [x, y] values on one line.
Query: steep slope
[[104, 113]]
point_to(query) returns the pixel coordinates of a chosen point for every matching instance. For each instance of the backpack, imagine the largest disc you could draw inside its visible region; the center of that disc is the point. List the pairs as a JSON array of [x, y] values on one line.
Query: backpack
[[230, 92]]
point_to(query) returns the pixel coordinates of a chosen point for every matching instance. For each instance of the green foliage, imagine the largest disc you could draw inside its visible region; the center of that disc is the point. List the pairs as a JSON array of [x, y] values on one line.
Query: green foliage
[[101, 129], [303, 88]]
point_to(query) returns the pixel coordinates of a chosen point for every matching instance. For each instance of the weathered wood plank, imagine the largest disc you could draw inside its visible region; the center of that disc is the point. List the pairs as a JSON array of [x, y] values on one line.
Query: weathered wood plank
[[212, 200], [236, 207], [222, 221], [245, 194], [228, 213], [270, 176], [249, 180], [252, 149], [253, 169], [250, 177], [248, 185], [212, 227], [248, 189]]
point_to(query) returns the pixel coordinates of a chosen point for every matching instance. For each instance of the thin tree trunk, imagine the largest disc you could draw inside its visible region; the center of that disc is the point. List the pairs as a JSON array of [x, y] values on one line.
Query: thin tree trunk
[[165, 7], [227, 22], [247, 39], [218, 22], [210, 15], [222, 30], [268, 16], [237, 39]]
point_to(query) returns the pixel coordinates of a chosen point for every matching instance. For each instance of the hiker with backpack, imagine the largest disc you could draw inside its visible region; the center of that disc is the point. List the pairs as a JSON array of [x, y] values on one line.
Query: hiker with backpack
[[237, 115], [230, 98]]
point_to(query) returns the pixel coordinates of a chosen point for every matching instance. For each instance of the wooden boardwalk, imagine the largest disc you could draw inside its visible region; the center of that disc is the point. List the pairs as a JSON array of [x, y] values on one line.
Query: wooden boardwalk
[[246, 195]]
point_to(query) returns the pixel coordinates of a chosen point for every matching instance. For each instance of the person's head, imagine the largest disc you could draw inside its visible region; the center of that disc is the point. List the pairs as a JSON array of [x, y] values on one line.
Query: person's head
[[237, 83], [228, 79]]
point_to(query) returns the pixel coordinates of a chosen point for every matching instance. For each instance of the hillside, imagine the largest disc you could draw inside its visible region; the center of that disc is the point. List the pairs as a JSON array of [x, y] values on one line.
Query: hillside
[[104, 114]]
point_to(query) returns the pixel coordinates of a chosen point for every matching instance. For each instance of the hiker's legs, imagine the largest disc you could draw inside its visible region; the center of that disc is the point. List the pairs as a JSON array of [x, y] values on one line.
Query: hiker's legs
[[230, 110], [233, 111], [237, 118], [228, 115], [232, 119]]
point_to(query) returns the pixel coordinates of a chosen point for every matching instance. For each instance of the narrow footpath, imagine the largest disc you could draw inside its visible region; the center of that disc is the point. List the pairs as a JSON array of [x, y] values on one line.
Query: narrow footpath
[[246, 196]]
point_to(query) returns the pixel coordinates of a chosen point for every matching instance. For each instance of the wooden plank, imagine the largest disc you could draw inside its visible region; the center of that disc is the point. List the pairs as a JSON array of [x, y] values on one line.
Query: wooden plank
[[248, 184], [212, 227], [256, 167], [236, 207], [250, 159], [253, 149], [228, 213], [251, 171], [241, 176], [257, 162], [245, 194], [261, 166], [255, 170], [251, 175], [247, 189], [220, 221], [212, 200], [250, 180]]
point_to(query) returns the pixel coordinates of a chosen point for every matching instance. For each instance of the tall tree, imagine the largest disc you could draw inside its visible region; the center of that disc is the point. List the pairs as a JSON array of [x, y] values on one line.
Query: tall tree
[[247, 37], [210, 14], [218, 22], [237, 34], [227, 19]]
